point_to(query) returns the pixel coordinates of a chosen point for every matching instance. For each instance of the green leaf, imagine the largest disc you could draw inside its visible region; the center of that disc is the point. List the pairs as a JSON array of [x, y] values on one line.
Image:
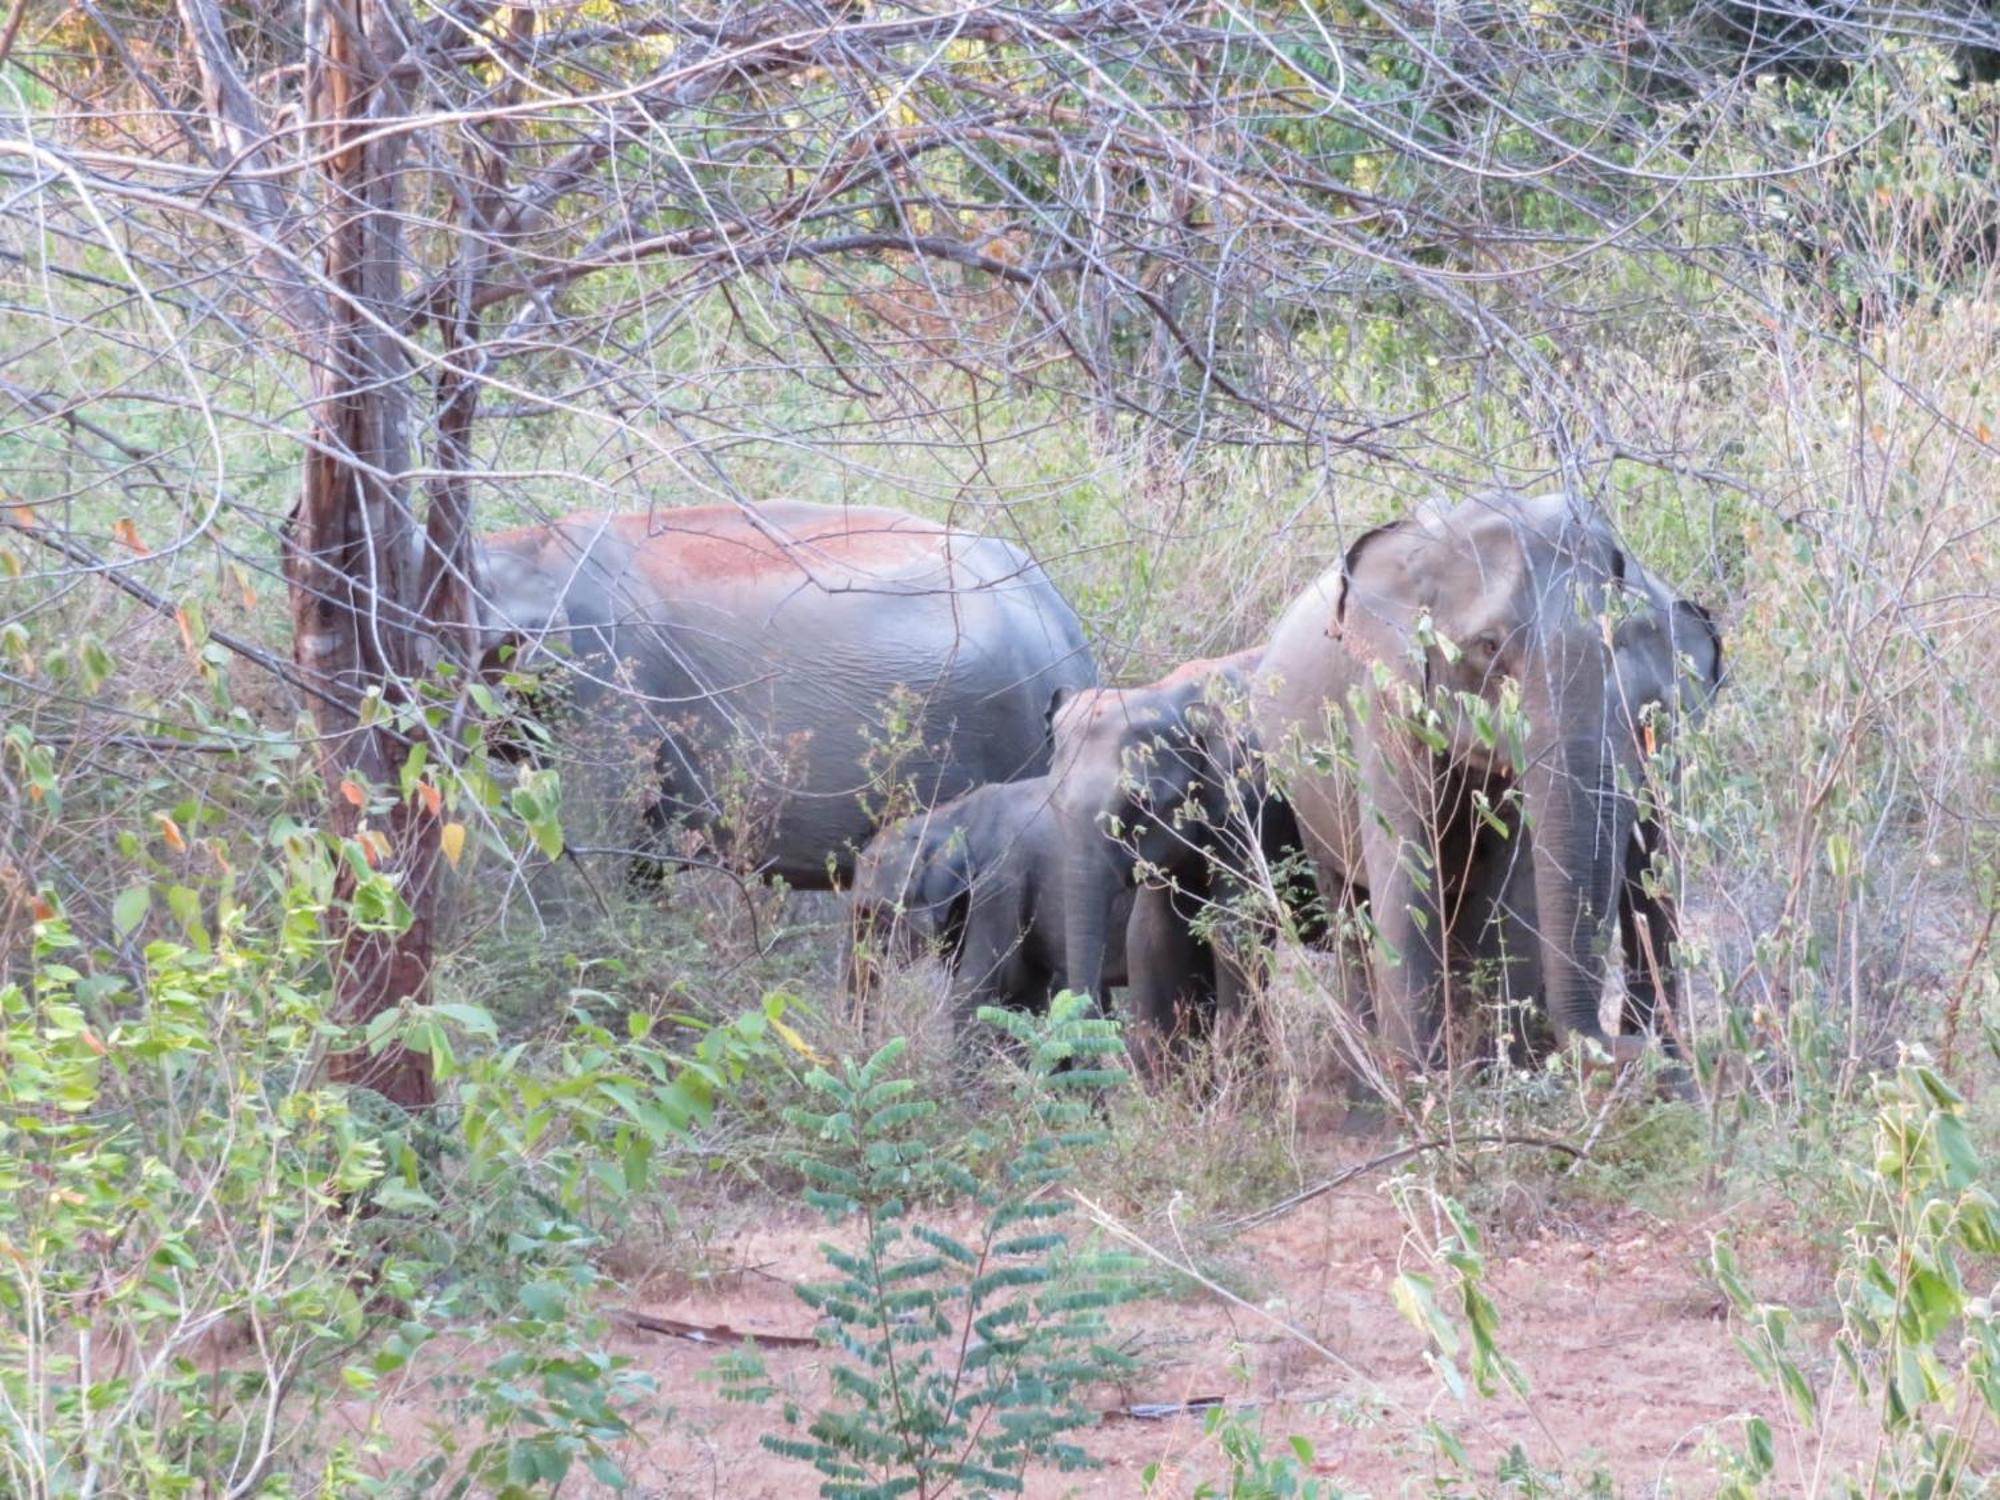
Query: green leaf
[[1763, 1451], [474, 1019], [130, 909], [1415, 1297], [546, 1300], [1448, 1445]]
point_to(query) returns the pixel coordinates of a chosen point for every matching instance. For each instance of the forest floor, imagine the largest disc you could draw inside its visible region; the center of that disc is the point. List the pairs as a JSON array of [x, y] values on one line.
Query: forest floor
[[1607, 1308]]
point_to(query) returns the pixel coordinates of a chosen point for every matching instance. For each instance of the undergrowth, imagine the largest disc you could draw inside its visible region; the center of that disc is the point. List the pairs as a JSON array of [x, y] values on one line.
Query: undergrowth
[[962, 1358]]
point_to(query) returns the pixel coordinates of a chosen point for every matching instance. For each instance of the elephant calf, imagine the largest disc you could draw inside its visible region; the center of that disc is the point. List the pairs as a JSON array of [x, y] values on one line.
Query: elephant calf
[[978, 880], [1161, 802]]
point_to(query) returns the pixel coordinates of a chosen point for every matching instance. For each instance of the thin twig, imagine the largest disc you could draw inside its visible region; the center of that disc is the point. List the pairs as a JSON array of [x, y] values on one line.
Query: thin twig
[[14, 19], [1388, 1159], [1105, 1220], [104, 568]]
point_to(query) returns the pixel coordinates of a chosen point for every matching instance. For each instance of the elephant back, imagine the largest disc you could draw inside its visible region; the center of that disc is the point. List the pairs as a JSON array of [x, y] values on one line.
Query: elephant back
[[818, 650]]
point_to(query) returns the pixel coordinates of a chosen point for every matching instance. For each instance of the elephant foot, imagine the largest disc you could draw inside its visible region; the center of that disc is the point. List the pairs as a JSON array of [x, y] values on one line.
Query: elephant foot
[[1676, 1084], [1672, 1080]]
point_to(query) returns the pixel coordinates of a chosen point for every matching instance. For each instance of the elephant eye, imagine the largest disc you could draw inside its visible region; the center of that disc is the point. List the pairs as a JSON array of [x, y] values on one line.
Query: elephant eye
[[1484, 647]]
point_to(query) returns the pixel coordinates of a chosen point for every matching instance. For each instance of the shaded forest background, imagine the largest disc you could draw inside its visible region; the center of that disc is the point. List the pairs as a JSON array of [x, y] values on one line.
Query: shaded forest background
[[296, 299]]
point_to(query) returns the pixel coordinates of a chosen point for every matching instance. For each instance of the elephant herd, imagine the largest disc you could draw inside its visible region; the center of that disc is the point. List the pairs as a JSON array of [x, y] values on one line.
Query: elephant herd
[[1451, 742]]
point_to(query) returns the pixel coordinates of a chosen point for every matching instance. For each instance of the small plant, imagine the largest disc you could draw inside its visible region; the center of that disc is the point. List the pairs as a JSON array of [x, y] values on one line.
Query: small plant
[[1917, 1345], [1254, 1472], [1456, 1254], [963, 1358]]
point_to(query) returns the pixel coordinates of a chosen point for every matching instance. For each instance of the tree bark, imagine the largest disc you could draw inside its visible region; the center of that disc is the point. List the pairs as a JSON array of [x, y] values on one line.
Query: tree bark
[[350, 552]]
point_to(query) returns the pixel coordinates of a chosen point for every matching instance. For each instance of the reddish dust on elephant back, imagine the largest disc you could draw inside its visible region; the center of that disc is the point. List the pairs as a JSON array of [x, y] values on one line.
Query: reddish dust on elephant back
[[722, 541], [1633, 1369]]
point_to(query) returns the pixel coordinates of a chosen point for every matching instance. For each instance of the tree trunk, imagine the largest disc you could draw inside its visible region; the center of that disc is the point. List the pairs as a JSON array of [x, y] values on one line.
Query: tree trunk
[[350, 554]]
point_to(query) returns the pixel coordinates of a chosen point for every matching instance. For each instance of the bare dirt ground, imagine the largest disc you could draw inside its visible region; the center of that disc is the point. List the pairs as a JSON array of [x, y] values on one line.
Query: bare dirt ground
[[1606, 1308]]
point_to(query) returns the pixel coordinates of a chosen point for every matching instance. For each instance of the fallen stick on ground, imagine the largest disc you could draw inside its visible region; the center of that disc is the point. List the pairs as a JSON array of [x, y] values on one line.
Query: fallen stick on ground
[[1387, 1159], [711, 1333], [1160, 1411]]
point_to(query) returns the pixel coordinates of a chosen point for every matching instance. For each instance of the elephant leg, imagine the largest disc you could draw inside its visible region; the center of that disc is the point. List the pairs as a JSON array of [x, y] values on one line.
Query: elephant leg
[[1409, 936], [1170, 973], [990, 969], [648, 869], [1235, 1031], [1647, 925], [1504, 950], [1238, 965], [667, 811]]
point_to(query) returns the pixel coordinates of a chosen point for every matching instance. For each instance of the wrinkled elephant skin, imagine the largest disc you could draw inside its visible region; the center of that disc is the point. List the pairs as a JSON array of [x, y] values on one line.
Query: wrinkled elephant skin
[[978, 880], [758, 653], [1399, 666]]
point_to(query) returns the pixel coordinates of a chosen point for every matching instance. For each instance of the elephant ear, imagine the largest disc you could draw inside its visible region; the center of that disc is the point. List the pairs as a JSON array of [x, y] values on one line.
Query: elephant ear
[[946, 872], [1375, 607], [1696, 637], [1670, 653]]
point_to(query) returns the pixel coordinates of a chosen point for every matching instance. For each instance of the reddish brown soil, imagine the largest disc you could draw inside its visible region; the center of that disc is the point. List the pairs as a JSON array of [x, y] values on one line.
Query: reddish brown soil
[[1607, 1310]]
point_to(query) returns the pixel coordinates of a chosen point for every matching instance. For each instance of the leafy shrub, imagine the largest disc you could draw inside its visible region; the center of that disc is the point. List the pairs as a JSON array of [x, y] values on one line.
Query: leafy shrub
[[201, 1241], [178, 1206], [1918, 1346], [964, 1359]]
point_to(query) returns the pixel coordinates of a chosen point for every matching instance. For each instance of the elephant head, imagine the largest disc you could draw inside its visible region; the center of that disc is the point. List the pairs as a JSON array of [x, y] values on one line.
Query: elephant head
[[1141, 782], [527, 628], [909, 893], [1507, 643]]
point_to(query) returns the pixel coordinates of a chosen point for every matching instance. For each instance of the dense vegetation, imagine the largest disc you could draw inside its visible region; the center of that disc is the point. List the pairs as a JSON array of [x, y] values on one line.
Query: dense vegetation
[[1180, 295]]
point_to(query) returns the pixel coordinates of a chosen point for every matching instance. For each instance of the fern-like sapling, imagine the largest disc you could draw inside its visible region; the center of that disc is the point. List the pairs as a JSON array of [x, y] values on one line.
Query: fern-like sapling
[[963, 1360]]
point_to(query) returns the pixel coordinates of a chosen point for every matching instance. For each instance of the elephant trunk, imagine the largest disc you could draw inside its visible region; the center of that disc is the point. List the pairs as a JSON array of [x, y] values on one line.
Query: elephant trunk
[[1581, 822], [1092, 882]]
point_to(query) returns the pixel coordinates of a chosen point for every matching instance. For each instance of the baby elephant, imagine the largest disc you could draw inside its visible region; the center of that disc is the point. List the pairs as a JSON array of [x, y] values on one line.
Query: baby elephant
[[978, 880]]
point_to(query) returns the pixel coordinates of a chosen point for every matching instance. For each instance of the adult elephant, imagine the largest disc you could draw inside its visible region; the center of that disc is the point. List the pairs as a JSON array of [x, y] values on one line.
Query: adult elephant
[[1157, 788], [812, 664], [1411, 657]]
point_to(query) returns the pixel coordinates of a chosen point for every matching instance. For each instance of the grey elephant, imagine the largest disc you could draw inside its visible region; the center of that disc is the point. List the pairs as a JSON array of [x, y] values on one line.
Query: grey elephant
[[1385, 696], [978, 880], [802, 662], [1159, 800]]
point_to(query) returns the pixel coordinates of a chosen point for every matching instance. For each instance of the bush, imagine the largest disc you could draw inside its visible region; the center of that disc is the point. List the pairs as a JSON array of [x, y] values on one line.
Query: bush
[[201, 1241], [963, 1358]]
